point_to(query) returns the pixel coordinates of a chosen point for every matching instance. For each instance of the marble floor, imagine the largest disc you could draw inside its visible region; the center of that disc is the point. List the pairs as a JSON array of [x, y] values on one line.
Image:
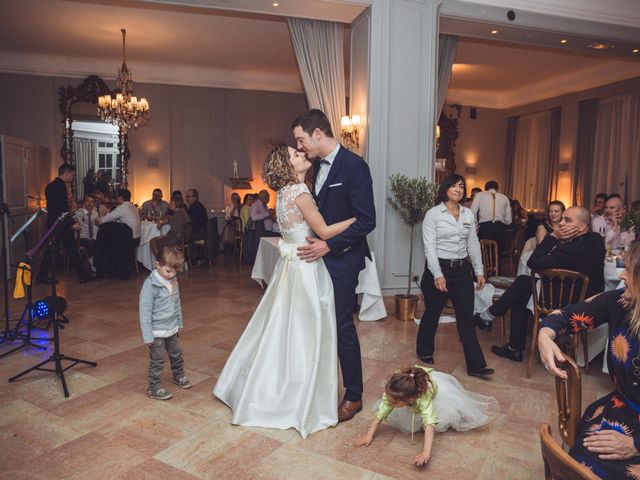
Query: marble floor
[[108, 428]]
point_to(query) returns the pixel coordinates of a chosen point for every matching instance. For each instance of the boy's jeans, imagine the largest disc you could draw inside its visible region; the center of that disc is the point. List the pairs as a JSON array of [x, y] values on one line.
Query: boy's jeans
[[156, 355]]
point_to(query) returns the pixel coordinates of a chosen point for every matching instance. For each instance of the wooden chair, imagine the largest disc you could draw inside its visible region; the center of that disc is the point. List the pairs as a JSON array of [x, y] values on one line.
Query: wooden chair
[[558, 288], [239, 231], [513, 246], [187, 241], [489, 249], [558, 465], [569, 398]]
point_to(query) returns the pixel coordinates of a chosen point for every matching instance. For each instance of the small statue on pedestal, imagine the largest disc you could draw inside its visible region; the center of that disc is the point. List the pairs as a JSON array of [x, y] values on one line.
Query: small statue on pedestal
[[235, 169]]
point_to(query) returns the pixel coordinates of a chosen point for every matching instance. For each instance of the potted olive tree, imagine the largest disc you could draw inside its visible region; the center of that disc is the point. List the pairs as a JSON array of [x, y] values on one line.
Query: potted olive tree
[[412, 197]]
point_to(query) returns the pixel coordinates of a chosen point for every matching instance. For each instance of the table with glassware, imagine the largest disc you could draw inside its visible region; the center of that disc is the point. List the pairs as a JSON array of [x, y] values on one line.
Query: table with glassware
[[370, 294], [149, 230]]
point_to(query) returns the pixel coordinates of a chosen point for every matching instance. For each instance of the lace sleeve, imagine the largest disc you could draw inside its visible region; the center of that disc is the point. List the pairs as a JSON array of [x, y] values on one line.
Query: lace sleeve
[[288, 213]]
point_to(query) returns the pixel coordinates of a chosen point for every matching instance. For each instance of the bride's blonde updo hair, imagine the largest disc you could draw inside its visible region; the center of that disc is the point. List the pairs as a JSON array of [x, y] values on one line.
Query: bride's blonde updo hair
[[278, 171]]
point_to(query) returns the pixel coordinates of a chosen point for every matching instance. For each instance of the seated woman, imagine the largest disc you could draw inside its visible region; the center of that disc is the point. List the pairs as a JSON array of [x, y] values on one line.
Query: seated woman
[[609, 438], [551, 223], [245, 210], [177, 221]]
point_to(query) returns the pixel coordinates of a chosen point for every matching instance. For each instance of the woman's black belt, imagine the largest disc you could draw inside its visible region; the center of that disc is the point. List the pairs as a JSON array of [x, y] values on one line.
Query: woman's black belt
[[453, 262]]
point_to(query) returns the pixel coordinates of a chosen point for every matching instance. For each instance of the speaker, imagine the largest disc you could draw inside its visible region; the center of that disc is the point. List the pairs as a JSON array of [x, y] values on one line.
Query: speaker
[[511, 15], [473, 113]]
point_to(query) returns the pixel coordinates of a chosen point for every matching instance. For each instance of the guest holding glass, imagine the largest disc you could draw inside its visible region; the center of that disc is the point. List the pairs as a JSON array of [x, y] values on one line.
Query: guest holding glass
[[608, 439], [449, 235], [551, 222], [608, 225], [156, 207]]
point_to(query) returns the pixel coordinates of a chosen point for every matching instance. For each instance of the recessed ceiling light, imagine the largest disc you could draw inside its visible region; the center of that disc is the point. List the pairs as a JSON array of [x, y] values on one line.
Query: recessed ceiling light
[[275, 4], [563, 41], [601, 46], [494, 32], [635, 50]]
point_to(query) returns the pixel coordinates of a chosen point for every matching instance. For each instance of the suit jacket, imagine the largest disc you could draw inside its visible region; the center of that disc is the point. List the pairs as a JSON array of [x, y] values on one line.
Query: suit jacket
[[584, 254], [347, 192], [56, 195]]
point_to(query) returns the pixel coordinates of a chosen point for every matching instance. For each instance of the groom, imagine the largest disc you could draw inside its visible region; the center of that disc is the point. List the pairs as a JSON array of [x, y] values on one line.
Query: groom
[[343, 189]]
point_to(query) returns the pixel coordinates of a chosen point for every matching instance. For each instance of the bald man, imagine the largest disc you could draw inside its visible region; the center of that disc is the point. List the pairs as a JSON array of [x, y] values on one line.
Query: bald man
[[572, 247]]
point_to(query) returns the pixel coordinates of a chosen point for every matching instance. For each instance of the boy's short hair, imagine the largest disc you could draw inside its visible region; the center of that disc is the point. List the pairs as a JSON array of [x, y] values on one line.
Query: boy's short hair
[[171, 256]]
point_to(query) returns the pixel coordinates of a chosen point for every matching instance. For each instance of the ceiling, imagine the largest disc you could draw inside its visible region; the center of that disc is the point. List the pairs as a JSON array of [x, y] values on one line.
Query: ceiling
[[204, 45]]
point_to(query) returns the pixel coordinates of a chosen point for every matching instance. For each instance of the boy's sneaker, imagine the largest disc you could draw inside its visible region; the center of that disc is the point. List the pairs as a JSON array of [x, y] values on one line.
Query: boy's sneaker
[[183, 382], [159, 394]]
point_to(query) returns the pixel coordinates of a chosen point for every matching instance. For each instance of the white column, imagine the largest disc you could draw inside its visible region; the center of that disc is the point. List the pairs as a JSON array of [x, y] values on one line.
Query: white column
[[401, 112]]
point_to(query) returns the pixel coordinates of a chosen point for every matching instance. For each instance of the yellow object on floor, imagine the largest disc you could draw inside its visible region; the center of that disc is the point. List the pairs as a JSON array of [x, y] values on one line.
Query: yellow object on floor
[[23, 277]]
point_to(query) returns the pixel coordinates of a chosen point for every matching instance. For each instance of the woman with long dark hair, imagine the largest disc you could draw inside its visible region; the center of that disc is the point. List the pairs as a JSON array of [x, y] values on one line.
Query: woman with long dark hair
[[450, 239]]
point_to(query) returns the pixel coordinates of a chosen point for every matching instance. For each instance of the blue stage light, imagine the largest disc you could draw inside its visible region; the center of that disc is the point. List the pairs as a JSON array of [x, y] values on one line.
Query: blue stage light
[[40, 309]]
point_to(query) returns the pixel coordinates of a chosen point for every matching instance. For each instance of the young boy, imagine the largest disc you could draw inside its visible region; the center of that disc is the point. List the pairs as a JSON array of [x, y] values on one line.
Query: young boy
[[161, 320]]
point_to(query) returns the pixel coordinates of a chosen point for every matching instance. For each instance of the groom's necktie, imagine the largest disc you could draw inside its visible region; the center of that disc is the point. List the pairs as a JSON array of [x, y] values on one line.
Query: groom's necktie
[[323, 172]]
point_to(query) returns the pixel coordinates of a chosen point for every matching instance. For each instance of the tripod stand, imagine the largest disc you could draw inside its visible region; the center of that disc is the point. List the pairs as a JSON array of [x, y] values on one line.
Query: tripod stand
[[57, 306], [9, 335]]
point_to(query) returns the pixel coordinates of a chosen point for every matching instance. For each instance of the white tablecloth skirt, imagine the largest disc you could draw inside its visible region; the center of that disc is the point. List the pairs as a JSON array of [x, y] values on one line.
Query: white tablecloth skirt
[[371, 301], [148, 231]]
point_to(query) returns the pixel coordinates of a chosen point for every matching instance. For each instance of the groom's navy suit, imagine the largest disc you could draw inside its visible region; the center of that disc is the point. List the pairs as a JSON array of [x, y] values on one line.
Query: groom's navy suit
[[347, 192]]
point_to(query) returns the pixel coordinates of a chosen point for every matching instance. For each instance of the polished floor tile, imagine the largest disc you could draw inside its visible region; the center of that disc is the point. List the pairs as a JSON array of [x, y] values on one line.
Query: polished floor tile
[[109, 428]]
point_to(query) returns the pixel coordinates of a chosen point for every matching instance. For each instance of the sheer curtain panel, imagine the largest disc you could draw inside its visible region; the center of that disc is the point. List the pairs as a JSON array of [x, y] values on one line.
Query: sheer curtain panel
[[319, 51]]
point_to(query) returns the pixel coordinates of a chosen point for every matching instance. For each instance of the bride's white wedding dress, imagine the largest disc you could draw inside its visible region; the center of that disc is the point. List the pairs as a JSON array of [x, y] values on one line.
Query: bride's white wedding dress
[[283, 371]]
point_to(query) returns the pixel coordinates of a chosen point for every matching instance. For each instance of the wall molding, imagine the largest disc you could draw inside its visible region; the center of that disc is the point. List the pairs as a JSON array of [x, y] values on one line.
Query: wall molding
[[144, 72], [573, 82]]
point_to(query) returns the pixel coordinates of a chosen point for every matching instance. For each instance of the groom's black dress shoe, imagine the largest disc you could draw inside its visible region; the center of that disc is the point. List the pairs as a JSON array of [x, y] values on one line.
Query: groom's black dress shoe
[[482, 373], [428, 359], [507, 352], [347, 409]]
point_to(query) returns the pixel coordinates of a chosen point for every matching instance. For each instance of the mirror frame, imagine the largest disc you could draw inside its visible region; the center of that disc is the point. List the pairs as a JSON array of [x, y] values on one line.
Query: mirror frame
[[88, 92]]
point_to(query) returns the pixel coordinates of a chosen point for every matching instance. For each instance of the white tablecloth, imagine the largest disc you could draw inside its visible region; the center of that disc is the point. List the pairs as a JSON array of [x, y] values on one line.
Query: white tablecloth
[[148, 231], [371, 301]]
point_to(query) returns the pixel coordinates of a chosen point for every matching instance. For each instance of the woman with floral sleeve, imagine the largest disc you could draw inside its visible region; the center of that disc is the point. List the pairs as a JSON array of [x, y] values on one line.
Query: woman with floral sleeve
[[609, 438]]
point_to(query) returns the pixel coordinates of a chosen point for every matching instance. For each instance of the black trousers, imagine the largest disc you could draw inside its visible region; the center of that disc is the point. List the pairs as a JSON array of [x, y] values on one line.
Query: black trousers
[[516, 298], [460, 290], [344, 291], [67, 239]]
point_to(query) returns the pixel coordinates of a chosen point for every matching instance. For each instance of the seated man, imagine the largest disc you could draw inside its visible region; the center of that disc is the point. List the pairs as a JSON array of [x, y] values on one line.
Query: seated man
[[571, 247], [156, 207], [608, 224], [260, 211], [86, 217], [197, 213], [125, 213]]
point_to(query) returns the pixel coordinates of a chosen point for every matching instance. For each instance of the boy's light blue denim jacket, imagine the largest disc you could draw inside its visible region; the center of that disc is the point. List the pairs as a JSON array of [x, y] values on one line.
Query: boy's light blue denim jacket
[[159, 310]]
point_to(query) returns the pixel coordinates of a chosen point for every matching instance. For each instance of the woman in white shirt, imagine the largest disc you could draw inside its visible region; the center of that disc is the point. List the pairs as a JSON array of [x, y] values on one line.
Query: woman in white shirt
[[450, 238]]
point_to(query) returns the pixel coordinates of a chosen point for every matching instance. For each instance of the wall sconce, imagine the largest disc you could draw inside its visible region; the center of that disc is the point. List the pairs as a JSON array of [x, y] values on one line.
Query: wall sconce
[[351, 131], [437, 137]]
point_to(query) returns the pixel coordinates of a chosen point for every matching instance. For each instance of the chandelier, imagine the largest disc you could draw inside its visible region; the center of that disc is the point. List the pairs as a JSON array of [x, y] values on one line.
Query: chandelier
[[125, 110]]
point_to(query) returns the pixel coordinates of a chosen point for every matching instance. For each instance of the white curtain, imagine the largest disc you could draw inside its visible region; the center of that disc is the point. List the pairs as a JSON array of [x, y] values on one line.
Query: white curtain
[[85, 151], [616, 156], [532, 166], [447, 47], [319, 51]]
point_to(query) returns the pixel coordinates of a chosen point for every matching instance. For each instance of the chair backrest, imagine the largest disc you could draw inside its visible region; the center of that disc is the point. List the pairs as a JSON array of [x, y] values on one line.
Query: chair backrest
[[187, 233], [514, 241], [558, 465], [489, 250], [569, 398], [558, 288]]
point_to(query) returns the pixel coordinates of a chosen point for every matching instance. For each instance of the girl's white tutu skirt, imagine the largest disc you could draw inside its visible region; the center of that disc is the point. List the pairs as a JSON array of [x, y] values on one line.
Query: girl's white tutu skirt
[[455, 407]]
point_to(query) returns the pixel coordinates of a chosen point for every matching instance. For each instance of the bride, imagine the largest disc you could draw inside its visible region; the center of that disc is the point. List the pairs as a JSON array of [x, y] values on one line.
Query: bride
[[283, 372]]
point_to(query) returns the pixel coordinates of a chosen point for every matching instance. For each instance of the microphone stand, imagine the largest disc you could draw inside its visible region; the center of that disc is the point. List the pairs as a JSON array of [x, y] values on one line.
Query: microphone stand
[[9, 335]]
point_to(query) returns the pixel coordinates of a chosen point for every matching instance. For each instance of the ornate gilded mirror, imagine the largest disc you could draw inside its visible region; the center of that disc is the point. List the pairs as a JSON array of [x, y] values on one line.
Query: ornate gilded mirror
[[79, 103]]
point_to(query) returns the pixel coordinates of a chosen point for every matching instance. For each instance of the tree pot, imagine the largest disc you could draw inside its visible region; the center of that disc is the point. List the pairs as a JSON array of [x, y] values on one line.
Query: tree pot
[[406, 307]]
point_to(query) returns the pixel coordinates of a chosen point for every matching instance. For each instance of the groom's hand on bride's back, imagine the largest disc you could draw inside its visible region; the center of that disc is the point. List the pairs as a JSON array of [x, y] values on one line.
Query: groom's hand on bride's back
[[314, 250]]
